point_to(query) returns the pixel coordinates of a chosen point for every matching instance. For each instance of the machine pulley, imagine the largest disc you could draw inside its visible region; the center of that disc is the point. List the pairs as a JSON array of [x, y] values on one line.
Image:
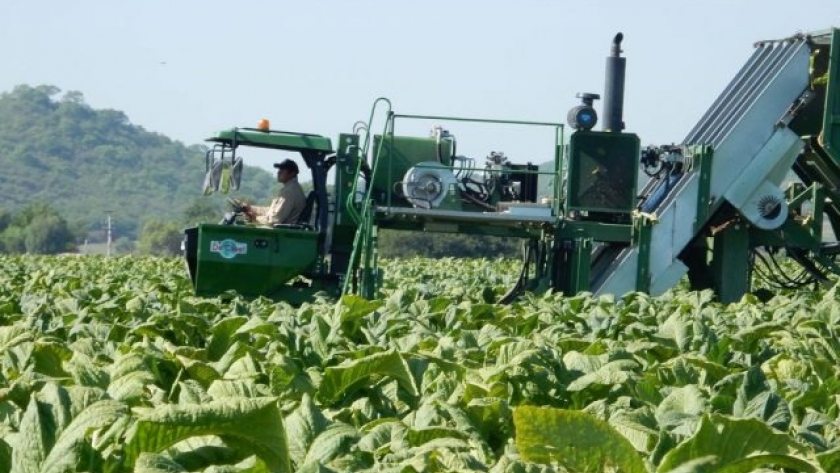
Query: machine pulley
[[426, 184]]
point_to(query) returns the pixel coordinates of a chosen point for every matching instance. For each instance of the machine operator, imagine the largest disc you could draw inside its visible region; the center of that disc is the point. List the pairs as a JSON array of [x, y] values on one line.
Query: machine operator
[[289, 203]]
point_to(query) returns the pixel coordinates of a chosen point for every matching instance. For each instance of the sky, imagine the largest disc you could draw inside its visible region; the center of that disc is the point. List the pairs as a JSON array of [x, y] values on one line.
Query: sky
[[189, 68]]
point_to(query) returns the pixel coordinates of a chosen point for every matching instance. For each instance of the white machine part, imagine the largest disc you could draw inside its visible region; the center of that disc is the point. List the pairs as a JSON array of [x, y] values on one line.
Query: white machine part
[[426, 184]]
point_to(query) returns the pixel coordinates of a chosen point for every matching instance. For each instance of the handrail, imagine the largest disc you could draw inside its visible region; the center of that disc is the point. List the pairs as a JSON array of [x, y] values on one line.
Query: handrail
[[559, 149], [370, 121], [478, 120], [364, 219], [351, 198]]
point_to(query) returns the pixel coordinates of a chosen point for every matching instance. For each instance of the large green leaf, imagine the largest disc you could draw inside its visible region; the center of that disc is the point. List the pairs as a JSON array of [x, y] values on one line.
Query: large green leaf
[[257, 421], [830, 460], [13, 336], [756, 399], [85, 371], [638, 426], [222, 336], [35, 439], [48, 357], [574, 439], [740, 446], [339, 379], [5, 456], [243, 368], [155, 463], [613, 372], [386, 433], [68, 449], [331, 443], [682, 407], [131, 386], [47, 415], [198, 453], [418, 437], [351, 308], [303, 426]]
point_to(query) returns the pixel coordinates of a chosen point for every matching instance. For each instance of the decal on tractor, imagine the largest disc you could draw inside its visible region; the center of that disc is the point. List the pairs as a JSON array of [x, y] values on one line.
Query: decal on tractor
[[228, 248]]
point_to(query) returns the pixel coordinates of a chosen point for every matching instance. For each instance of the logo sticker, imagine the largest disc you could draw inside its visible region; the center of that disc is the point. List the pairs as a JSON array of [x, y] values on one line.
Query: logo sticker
[[228, 248]]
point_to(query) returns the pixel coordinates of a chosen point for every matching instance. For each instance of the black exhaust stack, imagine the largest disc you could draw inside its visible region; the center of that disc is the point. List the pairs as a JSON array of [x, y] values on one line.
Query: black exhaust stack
[[614, 87]]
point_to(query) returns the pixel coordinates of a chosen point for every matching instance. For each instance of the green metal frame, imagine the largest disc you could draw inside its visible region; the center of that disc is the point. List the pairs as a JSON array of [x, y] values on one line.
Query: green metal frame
[[731, 269], [564, 259], [831, 118], [364, 275], [702, 161], [642, 234]]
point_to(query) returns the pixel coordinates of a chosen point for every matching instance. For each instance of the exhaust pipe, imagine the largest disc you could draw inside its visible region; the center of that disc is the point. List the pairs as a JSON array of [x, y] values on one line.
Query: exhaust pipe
[[614, 88]]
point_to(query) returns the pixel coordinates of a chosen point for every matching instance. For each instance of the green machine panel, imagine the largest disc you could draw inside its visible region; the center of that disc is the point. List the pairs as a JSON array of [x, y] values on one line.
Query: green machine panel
[[396, 156], [251, 260], [603, 169], [831, 120]]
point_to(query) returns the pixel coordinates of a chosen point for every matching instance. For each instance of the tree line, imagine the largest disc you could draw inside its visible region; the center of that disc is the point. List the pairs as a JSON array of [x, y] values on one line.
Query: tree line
[[86, 163], [67, 166], [38, 228]]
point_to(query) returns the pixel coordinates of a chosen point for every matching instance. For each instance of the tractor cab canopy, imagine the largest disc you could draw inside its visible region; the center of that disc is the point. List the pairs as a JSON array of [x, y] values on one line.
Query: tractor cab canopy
[[303, 143], [316, 151]]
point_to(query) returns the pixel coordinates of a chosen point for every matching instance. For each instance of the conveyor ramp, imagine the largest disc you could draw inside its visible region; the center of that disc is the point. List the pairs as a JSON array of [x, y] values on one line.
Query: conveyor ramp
[[753, 150]]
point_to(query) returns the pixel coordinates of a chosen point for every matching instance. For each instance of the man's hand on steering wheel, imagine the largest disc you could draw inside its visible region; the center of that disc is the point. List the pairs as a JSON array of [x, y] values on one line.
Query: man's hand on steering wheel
[[237, 205], [243, 208]]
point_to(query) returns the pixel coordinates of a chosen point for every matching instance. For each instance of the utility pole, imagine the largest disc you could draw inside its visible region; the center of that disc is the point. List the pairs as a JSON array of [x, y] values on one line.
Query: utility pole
[[108, 250]]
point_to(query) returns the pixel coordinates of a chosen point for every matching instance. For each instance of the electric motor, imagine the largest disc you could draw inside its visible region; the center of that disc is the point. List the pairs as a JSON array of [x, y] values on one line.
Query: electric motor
[[426, 184]]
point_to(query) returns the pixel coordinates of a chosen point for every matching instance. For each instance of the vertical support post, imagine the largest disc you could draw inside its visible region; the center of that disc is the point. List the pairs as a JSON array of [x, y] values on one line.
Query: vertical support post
[[703, 154], [731, 263], [572, 261], [559, 170], [581, 264], [817, 206], [642, 233]]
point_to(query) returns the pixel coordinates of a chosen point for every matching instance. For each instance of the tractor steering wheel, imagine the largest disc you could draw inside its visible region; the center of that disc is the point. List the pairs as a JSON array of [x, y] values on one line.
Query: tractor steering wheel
[[237, 205], [237, 208]]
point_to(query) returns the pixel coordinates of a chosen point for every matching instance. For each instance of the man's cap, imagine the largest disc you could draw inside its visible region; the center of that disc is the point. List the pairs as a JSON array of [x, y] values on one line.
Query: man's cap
[[288, 165]]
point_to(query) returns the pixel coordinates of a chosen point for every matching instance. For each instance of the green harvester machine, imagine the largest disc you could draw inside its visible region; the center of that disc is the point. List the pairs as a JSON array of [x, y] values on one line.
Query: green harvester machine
[[717, 207]]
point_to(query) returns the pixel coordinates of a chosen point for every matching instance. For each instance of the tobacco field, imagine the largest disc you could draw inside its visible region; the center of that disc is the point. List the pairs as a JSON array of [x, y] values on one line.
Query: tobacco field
[[111, 365]]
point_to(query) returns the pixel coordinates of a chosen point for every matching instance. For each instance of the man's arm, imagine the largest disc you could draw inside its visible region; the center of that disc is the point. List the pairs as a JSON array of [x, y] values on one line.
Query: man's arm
[[255, 212]]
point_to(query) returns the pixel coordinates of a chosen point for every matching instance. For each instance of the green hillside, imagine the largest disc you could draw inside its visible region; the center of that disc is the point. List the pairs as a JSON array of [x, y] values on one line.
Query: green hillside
[[87, 163]]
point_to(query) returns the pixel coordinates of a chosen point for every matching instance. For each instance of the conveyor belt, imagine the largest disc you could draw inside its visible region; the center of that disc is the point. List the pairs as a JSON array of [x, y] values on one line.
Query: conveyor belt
[[751, 152]]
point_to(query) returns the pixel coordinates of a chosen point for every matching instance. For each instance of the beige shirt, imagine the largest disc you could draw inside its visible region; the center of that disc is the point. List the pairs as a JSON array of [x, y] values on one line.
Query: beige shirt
[[285, 208]]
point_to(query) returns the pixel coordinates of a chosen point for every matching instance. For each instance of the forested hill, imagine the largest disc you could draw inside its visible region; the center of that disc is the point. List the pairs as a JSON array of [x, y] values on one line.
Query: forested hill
[[87, 163]]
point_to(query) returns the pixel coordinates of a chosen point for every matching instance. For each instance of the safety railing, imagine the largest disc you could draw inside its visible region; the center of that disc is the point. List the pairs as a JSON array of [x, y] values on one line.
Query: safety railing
[[365, 238]]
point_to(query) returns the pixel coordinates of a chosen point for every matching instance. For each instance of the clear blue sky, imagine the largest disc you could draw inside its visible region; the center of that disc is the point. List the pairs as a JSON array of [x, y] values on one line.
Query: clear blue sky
[[187, 68]]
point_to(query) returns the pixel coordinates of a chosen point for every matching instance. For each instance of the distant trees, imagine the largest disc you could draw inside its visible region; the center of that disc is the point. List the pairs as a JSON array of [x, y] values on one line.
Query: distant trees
[[123, 246], [160, 238], [56, 148], [404, 244], [37, 228], [202, 210], [163, 237]]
